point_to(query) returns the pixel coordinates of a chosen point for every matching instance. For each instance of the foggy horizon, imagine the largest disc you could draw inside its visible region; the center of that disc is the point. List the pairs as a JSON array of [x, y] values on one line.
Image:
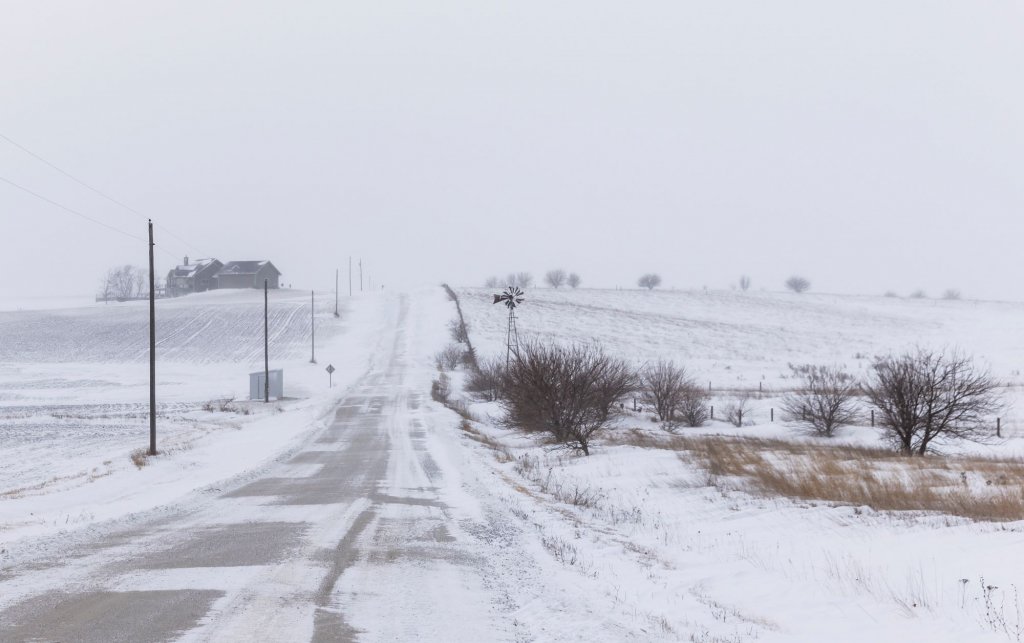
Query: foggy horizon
[[869, 149]]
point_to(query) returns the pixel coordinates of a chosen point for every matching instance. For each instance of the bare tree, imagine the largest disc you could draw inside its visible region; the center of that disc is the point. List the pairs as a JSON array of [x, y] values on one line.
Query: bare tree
[[825, 401], [492, 282], [797, 284], [926, 396], [574, 280], [918, 294], [663, 385], [520, 279], [951, 294], [744, 283], [568, 392], [125, 282], [555, 278], [650, 281], [107, 284]]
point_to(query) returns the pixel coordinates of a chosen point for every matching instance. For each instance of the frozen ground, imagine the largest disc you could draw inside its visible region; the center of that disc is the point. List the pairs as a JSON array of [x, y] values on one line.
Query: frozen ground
[[372, 513], [646, 530], [74, 398]]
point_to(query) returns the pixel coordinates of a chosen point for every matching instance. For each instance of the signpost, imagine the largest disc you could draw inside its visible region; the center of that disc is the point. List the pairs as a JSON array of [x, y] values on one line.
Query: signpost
[[330, 375]]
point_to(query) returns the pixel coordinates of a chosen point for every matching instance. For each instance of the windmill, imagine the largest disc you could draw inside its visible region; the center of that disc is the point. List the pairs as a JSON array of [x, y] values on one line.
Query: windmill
[[512, 297]]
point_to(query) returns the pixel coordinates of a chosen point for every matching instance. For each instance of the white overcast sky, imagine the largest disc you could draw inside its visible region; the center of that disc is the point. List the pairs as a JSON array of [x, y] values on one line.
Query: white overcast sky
[[868, 145]]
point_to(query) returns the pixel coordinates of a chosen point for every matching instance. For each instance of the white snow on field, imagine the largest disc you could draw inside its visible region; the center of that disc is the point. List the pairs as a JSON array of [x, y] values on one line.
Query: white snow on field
[[74, 398], [694, 562]]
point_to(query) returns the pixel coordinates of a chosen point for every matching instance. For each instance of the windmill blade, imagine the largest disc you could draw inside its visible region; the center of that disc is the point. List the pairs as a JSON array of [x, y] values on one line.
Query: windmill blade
[[498, 298]]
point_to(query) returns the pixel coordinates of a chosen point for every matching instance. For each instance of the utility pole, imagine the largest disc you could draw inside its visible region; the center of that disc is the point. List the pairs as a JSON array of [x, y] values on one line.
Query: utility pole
[[350, 275], [152, 348], [266, 346], [360, 274], [312, 326], [336, 293]]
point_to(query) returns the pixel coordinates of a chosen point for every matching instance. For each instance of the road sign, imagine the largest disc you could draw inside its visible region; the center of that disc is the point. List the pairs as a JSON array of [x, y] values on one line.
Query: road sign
[[330, 375], [330, 369]]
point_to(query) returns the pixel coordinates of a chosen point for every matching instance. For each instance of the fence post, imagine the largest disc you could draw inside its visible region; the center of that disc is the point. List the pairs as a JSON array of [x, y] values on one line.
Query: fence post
[[999, 427], [773, 415], [740, 413], [712, 411], [634, 404], [872, 418]]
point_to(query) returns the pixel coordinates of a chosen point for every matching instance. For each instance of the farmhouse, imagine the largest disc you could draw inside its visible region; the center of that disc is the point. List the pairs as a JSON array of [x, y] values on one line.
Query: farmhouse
[[197, 276], [247, 274]]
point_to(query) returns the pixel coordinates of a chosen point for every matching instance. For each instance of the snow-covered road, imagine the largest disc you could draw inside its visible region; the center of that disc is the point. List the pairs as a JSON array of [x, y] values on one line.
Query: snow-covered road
[[371, 527]]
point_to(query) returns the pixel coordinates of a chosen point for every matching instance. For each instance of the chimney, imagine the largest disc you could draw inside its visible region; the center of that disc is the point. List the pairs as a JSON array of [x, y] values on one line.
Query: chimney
[[186, 260]]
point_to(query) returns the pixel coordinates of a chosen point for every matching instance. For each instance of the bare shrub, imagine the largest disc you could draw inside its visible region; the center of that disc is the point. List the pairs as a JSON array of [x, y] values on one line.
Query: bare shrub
[[650, 281], [798, 284], [825, 401], [693, 406], [951, 294], [574, 280], [736, 409], [744, 283], [441, 389], [555, 278], [926, 396], [566, 392], [492, 282], [662, 384], [448, 357], [918, 294], [459, 331], [890, 294], [485, 380]]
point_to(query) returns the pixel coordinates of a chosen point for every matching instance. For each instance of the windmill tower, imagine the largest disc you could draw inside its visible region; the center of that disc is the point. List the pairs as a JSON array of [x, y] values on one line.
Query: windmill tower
[[512, 297]]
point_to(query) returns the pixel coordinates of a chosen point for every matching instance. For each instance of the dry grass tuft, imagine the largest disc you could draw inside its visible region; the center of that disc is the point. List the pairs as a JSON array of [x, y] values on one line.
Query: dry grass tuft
[[139, 457], [977, 488]]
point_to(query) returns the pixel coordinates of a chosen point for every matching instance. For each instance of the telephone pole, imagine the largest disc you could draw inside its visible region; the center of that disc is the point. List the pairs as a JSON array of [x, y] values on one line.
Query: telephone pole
[[152, 348], [266, 346], [312, 326]]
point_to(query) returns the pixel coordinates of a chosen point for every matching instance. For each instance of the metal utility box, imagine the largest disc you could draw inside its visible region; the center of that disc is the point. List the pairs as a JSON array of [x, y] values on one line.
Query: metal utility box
[[256, 385]]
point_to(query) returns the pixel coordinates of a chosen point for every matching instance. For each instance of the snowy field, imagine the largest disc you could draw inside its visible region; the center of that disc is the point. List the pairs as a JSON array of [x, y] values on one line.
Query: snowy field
[[74, 398], [694, 556]]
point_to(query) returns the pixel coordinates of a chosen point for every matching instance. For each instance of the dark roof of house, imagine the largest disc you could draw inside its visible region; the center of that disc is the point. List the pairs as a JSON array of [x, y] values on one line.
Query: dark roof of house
[[245, 267], [189, 270]]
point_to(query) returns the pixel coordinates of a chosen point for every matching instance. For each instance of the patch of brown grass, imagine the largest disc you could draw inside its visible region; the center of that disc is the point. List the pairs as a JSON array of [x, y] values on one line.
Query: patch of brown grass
[[501, 452], [977, 488]]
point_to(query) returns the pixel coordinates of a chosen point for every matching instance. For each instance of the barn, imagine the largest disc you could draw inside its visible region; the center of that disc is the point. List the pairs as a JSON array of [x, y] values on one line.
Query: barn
[[247, 274]]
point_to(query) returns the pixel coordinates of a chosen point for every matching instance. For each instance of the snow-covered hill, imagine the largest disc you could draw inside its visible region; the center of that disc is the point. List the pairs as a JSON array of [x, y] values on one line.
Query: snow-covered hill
[[732, 338], [74, 396]]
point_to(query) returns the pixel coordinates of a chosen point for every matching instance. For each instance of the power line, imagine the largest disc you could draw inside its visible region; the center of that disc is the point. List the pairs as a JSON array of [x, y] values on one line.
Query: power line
[[77, 213], [93, 189], [67, 209]]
